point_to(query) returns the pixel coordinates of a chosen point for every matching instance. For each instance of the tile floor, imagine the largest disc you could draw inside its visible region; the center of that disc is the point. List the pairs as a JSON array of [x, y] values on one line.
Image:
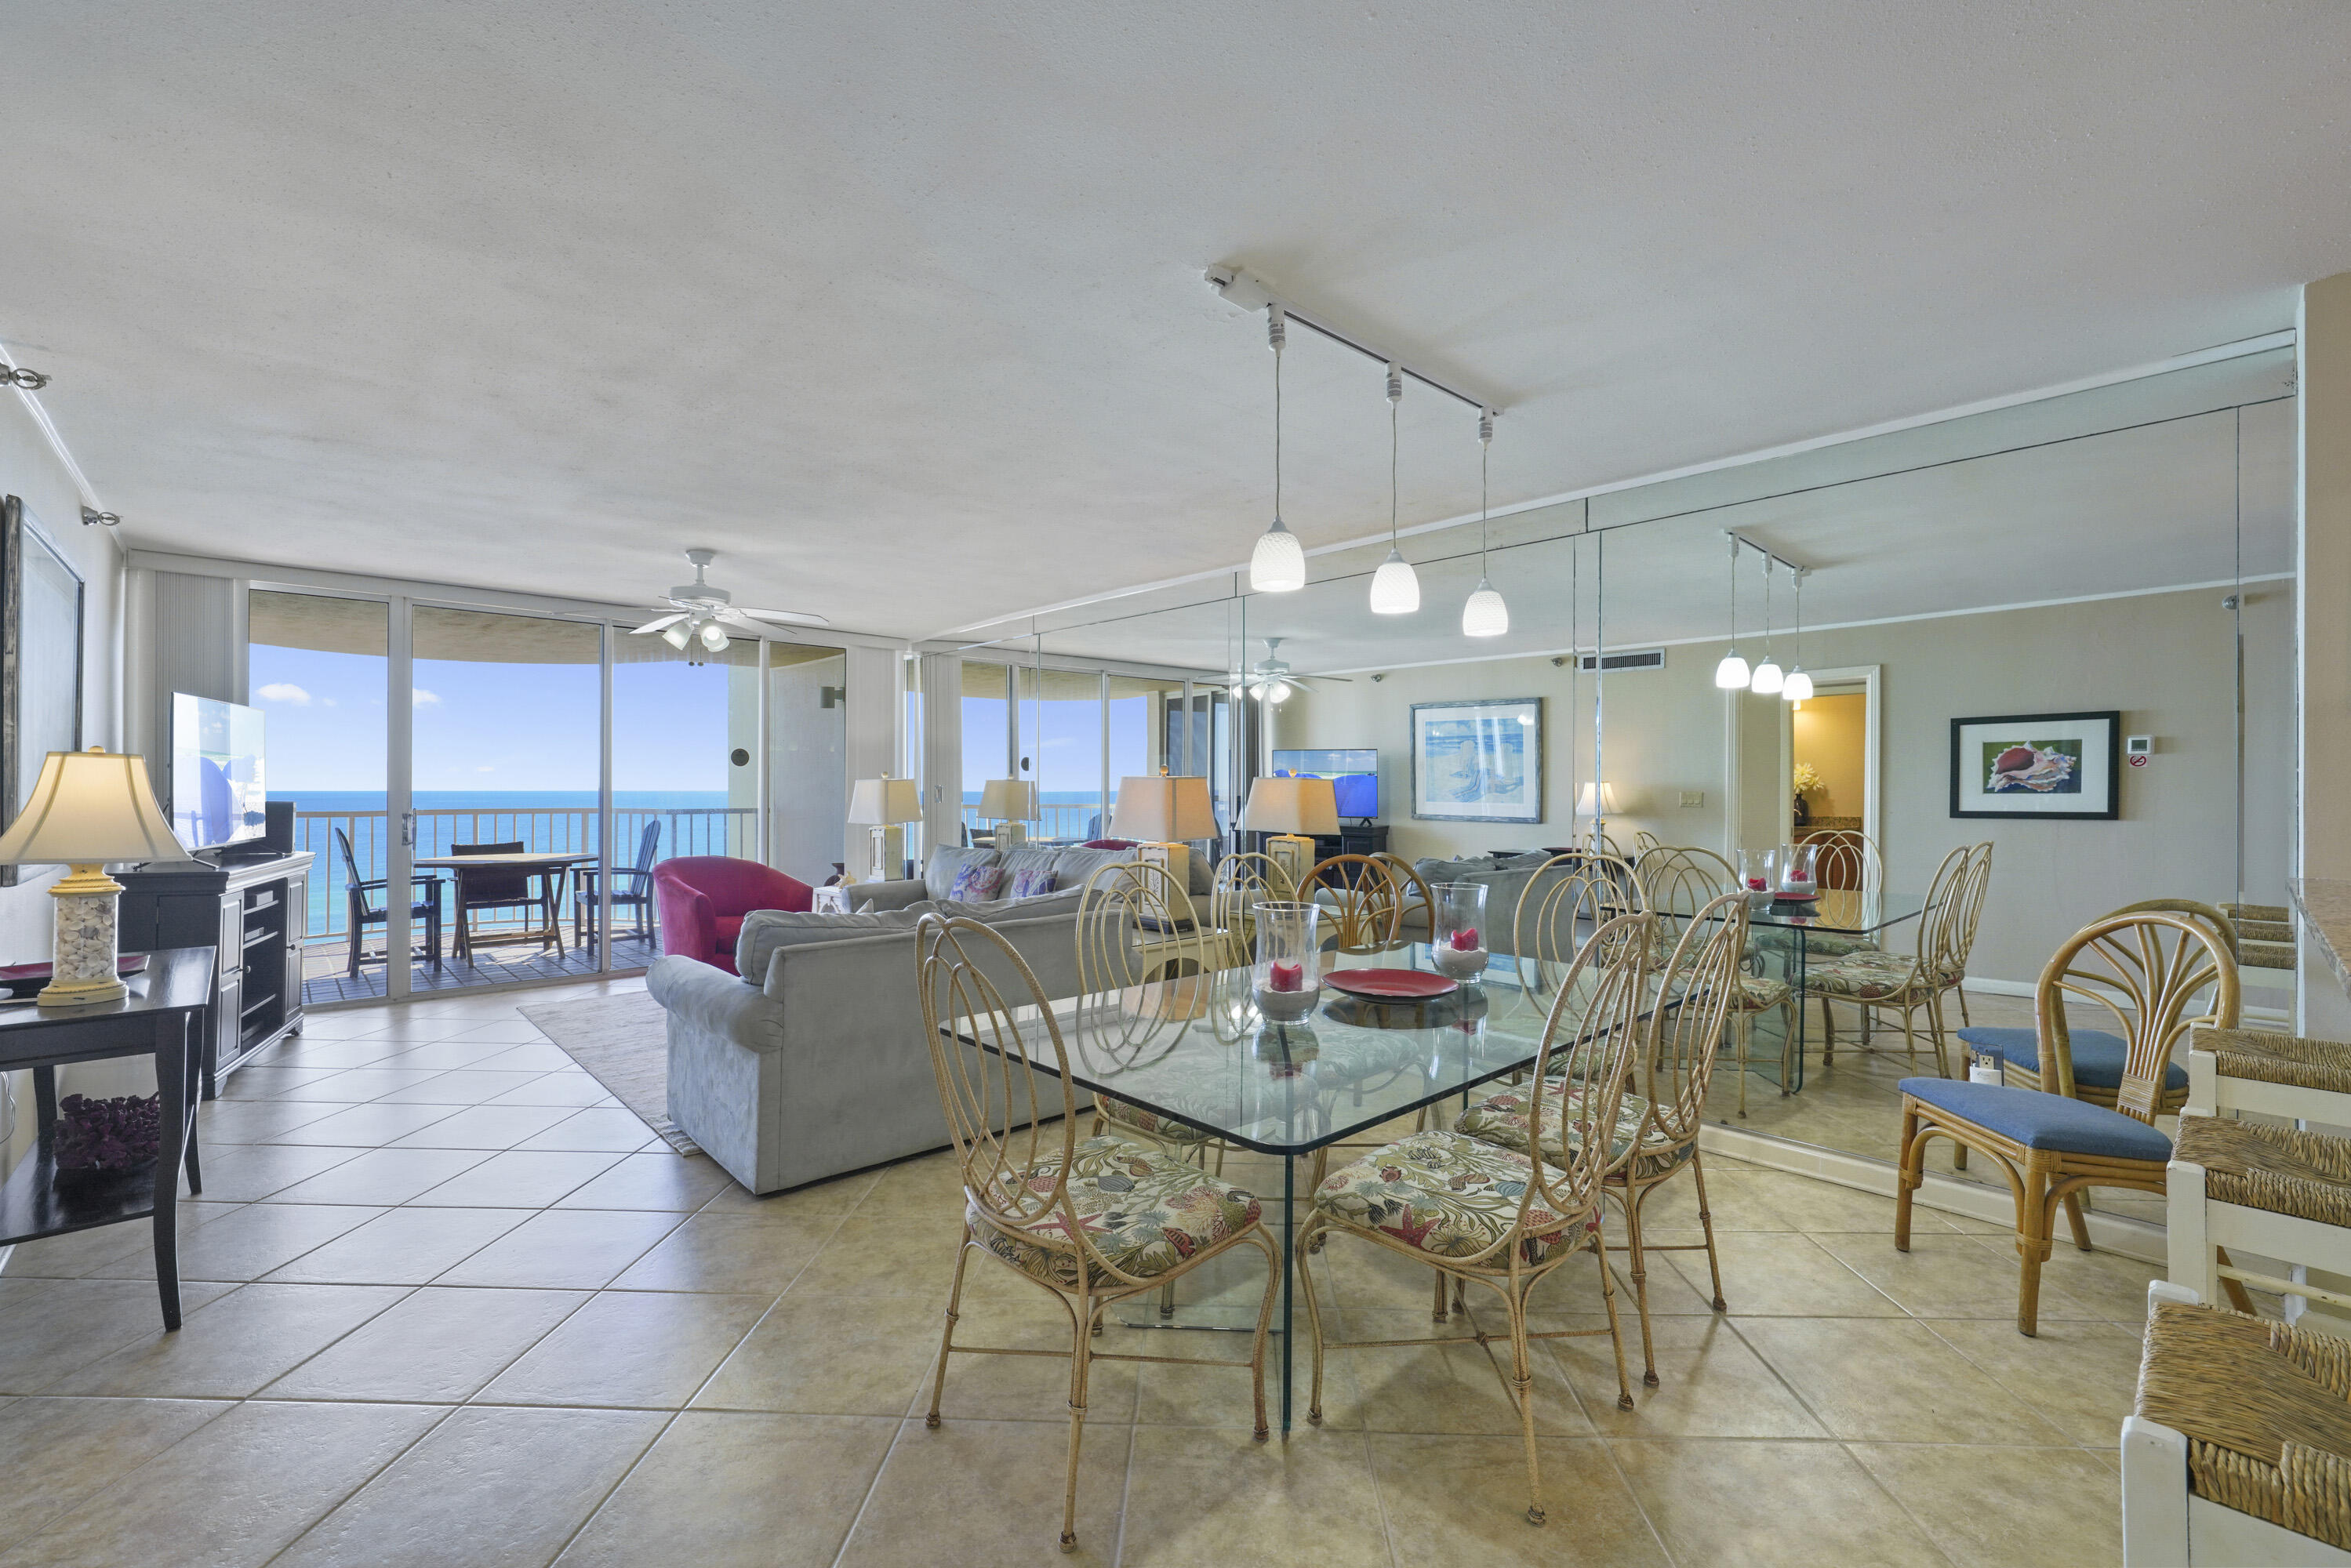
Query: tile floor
[[447, 1305]]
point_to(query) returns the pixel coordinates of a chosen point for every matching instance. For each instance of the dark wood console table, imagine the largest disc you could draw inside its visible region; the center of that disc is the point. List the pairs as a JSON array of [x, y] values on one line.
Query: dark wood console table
[[166, 1015]]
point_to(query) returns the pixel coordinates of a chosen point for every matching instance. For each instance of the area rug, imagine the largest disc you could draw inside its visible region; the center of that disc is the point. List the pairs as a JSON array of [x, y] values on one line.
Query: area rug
[[623, 1042]]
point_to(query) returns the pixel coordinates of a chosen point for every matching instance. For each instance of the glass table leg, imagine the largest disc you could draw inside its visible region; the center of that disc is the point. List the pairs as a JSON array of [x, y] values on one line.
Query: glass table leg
[[1799, 1006], [1289, 1283]]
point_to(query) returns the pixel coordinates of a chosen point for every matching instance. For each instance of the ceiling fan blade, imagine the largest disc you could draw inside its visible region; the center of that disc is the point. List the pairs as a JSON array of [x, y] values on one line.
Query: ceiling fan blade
[[788, 617], [656, 624]]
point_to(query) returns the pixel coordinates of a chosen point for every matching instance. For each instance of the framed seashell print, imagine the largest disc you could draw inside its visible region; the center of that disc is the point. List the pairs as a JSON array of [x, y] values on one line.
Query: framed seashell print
[[2061, 765]]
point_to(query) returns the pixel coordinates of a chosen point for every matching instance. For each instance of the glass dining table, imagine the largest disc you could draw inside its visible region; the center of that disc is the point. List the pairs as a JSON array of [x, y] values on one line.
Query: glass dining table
[[1793, 935], [1197, 1050]]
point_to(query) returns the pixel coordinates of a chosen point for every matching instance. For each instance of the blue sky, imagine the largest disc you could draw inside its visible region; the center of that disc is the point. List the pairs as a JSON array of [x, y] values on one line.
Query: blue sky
[[489, 726], [1071, 759]]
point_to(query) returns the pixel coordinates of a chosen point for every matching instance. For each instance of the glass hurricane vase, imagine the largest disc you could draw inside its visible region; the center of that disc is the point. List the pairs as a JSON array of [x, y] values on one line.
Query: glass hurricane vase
[[1289, 972], [1458, 942]]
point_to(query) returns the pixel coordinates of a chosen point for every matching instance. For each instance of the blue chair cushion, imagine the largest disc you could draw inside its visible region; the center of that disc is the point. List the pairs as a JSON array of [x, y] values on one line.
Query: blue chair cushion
[[2098, 1057], [2040, 1121]]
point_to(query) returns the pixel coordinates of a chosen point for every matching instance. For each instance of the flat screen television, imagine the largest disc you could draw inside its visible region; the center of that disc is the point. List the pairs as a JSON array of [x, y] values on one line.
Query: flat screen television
[[1353, 772], [216, 791]]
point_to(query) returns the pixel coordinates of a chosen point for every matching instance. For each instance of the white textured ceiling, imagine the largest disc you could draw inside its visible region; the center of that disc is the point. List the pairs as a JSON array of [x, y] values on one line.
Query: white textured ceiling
[[899, 306]]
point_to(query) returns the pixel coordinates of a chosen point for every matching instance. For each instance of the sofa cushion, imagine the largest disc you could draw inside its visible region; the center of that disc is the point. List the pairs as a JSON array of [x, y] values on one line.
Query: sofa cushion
[[1532, 860], [1030, 881], [1072, 867], [764, 930], [1015, 861], [1433, 872], [977, 885], [2040, 1121], [939, 872], [997, 912]]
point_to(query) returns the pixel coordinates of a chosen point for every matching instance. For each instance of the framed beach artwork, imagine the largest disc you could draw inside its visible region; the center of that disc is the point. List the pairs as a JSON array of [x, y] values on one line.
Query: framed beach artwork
[[1477, 761], [41, 658], [2061, 765]]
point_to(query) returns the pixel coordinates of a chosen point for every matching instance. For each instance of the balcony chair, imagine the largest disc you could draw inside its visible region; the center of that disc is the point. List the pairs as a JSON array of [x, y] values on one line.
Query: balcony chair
[[362, 910], [496, 887], [701, 901], [633, 889]]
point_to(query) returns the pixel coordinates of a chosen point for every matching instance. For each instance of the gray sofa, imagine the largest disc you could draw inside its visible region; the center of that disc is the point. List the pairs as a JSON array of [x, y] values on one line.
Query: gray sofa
[[814, 1061], [1506, 880]]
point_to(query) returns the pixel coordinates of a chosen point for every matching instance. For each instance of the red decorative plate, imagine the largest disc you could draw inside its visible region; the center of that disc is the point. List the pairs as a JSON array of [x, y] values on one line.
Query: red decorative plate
[[1795, 897], [1390, 985]]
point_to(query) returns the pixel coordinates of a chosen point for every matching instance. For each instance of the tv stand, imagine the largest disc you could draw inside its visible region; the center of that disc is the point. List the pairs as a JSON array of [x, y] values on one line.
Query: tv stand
[[1351, 839], [253, 912]]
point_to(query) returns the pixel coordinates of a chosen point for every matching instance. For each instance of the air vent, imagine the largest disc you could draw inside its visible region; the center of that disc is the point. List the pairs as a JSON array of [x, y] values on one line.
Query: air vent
[[1637, 659]]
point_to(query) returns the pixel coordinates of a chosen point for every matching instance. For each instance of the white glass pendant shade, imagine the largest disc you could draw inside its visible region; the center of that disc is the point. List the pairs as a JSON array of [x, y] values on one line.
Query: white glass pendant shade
[[713, 637], [1731, 673], [1767, 679], [1278, 565], [1485, 615], [677, 636], [1395, 589], [1278, 693], [1798, 688]]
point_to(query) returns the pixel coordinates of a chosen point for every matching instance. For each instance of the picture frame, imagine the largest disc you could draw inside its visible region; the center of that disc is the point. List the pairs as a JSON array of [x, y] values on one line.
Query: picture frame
[[2065, 767], [41, 605], [1477, 761]]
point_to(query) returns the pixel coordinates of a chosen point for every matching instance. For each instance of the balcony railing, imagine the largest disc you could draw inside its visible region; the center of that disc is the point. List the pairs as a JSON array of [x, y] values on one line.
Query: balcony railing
[[543, 829]]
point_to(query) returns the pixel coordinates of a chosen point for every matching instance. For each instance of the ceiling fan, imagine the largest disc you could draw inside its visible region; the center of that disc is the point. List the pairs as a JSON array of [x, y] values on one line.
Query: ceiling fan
[[1270, 679], [702, 614]]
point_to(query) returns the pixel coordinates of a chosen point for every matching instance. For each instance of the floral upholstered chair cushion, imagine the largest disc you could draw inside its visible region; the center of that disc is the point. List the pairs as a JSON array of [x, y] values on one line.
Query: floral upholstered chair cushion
[[1150, 1123], [1444, 1195], [1502, 1119], [1142, 1211], [1817, 944], [1865, 977]]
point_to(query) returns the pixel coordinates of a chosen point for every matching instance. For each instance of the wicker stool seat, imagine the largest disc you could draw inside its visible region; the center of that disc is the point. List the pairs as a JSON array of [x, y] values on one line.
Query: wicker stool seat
[[2292, 1059], [2279, 1169], [2266, 1410]]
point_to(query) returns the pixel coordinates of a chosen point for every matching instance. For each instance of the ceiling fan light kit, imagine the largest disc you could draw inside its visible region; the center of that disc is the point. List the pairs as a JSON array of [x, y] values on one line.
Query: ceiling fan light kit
[[700, 611]]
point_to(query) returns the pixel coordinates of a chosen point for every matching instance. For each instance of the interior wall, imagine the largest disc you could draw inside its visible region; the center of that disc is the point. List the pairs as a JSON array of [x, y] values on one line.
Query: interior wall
[[2165, 660], [1831, 733]]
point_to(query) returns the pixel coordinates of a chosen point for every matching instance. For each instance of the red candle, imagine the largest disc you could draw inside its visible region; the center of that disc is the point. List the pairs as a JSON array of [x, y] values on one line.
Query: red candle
[[1285, 976], [1466, 939], [1755, 884]]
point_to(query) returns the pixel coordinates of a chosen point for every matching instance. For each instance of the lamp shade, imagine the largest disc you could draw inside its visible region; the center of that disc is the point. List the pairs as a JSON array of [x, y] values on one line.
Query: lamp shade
[[1604, 797], [1278, 564], [1731, 675], [88, 808], [1485, 614], [1163, 810], [1008, 799], [1303, 805], [1395, 591], [876, 801]]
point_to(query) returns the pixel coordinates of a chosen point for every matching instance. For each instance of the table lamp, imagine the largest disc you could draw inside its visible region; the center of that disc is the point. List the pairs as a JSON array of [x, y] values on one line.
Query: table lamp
[[1010, 803], [88, 808], [1297, 810], [1165, 815], [879, 803], [1597, 802]]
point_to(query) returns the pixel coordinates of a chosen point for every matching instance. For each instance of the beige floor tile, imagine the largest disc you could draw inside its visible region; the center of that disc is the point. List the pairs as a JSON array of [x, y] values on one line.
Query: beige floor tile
[[445, 1055], [517, 1179], [262, 1474], [1760, 1503], [376, 1124], [354, 1084], [1170, 1395], [994, 1489], [559, 1249], [1896, 1381], [231, 1347], [930, 1183], [656, 1179], [2106, 1284], [733, 1490], [532, 1056], [437, 1345], [570, 1088], [618, 1131], [1458, 1387], [644, 1348], [2056, 1507], [1453, 1499], [1953, 1276], [744, 1256], [224, 1122], [51, 1328], [2082, 1377], [510, 1030], [837, 1195], [485, 1127], [466, 1085], [1710, 1384], [1205, 1494], [80, 1252], [1778, 1274], [824, 1356], [403, 1247], [382, 1176], [884, 1252], [1733, 1198], [248, 1243], [485, 1486], [242, 1173], [56, 1452]]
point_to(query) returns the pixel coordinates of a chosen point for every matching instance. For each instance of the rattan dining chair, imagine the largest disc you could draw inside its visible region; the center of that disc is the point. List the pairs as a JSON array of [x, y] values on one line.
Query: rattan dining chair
[[1362, 903], [1242, 882], [1665, 1102], [1844, 860], [2147, 970], [1135, 928], [1416, 919], [1090, 1222], [1475, 1212], [1680, 881], [1873, 981], [1568, 897]]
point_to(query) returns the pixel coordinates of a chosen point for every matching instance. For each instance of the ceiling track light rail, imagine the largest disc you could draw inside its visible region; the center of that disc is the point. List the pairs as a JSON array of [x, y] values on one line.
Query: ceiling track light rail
[[24, 378], [1249, 292]]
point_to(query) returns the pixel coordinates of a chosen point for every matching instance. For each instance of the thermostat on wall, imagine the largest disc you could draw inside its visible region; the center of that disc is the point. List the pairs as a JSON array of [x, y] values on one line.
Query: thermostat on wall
[[2138, 746]]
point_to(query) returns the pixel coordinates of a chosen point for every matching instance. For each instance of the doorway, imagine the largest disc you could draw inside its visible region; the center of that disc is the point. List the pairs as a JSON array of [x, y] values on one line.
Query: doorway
[[1833, 755]]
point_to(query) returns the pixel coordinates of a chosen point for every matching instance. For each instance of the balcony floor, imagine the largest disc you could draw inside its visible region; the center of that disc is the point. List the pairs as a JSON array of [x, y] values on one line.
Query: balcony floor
[[496, 961]]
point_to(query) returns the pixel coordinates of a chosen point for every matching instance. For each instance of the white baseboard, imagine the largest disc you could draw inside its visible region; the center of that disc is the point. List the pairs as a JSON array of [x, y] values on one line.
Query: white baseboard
[[2279, 1018], [2109, 1232]]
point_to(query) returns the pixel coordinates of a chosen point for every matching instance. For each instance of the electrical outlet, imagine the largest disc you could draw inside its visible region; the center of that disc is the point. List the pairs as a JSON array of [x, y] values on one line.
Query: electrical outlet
[[1693, 796]]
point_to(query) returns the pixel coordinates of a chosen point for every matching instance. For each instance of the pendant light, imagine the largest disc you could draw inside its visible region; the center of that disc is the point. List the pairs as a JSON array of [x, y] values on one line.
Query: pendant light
[[1485, 614], [1278, 564], [1768, 678], [1731, 673], [1799, 686], [1395, 591]]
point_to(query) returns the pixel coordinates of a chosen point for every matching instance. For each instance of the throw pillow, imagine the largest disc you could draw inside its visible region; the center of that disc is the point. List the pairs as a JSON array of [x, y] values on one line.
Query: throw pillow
[[976, 884], [866, 907], [939, 871], [1030, 881]]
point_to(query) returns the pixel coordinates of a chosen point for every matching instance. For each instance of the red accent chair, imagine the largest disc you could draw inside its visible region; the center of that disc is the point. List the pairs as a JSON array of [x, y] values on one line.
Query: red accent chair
[[702, 899]]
